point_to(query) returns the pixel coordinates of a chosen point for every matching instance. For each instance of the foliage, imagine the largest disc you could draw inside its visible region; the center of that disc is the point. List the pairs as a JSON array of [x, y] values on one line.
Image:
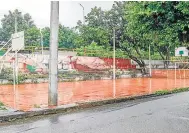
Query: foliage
[[7, 73], [67, 37], [1, 104], [46, 36], [161, 25], [138, 25], [99, 51], [177, 90], [32, 36], [99, 29], [162, 92], [24, 22], [21, 77]]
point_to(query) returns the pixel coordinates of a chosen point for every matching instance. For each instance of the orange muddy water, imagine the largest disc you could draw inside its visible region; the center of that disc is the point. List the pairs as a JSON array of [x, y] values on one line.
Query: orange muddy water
[[27, 96]]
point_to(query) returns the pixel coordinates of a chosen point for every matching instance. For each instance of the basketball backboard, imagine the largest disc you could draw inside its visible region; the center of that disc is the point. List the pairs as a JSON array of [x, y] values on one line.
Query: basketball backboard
[[181, 51], [18, 41]]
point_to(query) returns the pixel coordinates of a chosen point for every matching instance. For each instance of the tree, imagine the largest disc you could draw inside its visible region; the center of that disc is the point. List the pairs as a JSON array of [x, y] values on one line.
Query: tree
[[96, 50], [164, 24], [100, 25], [32, 37], [46, 36], [24, 22], [68, 38]]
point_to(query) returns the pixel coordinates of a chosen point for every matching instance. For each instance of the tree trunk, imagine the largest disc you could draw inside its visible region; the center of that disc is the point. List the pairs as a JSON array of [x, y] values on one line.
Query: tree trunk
[[140, 62], [166, 63]]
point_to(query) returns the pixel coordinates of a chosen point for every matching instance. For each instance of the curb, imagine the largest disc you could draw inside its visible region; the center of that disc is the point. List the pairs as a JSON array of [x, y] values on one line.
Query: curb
[[71, 107]]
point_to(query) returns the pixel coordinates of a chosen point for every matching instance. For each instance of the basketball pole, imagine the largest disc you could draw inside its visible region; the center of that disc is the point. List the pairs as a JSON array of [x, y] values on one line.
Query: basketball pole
[[14, 82], [41, 42], [53, 61], [16, 52]]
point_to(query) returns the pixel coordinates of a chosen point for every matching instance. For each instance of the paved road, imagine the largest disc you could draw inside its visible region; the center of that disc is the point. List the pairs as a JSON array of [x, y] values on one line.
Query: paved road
[[165, 115]]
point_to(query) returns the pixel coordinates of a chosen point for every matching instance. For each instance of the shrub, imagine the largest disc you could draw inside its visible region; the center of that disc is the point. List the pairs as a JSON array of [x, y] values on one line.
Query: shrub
[[162, 92]]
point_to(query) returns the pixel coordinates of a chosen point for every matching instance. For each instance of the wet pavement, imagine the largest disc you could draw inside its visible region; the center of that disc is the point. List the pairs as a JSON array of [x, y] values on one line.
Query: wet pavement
[[168, 114], [28, 96]]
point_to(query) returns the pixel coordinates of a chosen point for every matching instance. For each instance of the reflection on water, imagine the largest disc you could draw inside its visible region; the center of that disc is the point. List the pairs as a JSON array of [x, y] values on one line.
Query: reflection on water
[[26, 96]]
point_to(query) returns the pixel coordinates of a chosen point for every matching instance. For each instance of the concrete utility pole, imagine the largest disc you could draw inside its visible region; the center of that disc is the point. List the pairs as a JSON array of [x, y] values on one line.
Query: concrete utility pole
[[53, 61], [114, 65], [83, 13]]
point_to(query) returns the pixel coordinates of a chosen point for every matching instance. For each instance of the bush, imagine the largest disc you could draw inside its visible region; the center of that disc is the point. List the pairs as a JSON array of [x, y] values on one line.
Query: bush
[[133, 73], [162, 92], [1, 104], [95, 50], [7, 73]]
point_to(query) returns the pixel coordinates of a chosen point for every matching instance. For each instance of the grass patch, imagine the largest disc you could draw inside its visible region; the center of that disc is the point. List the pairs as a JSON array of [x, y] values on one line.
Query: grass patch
[[1, 104], [177, 90], [36, 106], [162, 92], [2, 108]]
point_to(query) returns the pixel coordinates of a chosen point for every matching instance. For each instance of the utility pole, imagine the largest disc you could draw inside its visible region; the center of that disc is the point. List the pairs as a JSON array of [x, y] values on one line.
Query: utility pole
[[114, 65], [53, 61], [83, 13], [150, 69]]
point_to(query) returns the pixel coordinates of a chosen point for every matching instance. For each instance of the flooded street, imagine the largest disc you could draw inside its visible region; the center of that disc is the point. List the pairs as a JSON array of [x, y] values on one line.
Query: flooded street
[[165, 114], [28, 96]]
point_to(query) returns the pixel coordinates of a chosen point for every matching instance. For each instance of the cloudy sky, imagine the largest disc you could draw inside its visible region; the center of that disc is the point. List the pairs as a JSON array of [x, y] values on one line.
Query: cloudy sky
[[70, 11]]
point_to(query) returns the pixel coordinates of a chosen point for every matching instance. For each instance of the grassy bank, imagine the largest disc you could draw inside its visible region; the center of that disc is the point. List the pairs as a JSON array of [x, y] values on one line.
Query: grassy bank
[[165, 92]]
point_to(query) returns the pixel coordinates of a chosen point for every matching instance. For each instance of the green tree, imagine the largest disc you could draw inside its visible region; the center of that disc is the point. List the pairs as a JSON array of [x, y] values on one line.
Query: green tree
[[98, 51], [99, 27], [163, 23], [46, 36], [24, 22], [32, 36], [68, 38]]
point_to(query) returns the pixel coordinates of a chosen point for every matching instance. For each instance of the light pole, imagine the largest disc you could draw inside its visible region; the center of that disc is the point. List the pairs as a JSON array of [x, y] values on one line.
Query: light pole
[[83, 13], [150, 69], [41, 42], [15, 24], [53, 61]]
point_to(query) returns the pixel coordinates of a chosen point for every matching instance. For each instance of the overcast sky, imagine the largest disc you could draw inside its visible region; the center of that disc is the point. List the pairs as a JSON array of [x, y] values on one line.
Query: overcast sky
[[70, 11]]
